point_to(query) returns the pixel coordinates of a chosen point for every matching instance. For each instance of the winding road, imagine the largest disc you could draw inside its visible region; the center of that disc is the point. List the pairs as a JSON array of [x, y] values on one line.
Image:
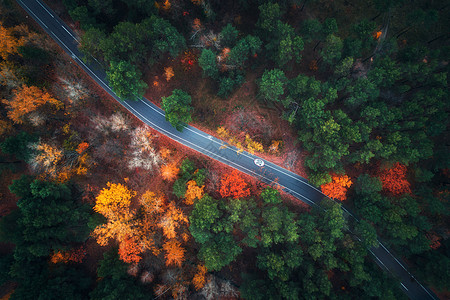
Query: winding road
[[210, 146]]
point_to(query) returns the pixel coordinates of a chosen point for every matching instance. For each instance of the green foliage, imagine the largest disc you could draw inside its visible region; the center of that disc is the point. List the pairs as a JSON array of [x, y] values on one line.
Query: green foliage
[[115, 283], [367, 185], [49, 218], [269, 15], [245, 47], [227, 85], [218, 247], [434, 268], [207, 61], [366, 233], [177, 108], [205, 214], [179, 188], [187, 167], [6, 261], [229, 35], [271, 195], [329, 27], [18, 145], [219, 252], [311, 28], [280, 265], [332, 49], [272, 85], [125, 80]]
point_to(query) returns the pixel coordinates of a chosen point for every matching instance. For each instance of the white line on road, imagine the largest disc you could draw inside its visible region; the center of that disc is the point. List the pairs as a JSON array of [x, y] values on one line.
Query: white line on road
[[404, 286], [33, 14]]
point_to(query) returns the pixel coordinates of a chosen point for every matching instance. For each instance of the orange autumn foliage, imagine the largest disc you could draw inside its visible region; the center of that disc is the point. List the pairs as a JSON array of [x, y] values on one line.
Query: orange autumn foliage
[[9, 44], [174, 253], [152, 203], [76, 255], [337, 188], [193, 191], [171, 220], [81, 147], [169, 172], [394, 180], [199, 279], [129, 250], [377, 35], [27, 99], [233, 185], [168, 73]]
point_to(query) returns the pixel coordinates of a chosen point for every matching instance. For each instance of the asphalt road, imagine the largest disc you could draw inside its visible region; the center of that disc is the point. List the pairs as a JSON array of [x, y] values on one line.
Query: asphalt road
[[211, 146]]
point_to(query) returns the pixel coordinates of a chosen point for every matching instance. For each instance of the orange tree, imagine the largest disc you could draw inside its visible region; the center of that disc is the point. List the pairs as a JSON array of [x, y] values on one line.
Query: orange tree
[[337, 188], [394, 180], [27, 99], [233, 185]]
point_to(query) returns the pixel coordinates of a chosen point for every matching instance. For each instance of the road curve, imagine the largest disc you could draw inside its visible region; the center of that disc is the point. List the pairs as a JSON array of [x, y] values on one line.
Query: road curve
[[210, 146]]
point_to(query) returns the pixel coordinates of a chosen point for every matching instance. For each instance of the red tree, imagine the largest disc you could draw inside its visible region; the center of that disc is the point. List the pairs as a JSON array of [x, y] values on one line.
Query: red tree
[[129, 250], [233, 185], [394, 180], [338, 187]]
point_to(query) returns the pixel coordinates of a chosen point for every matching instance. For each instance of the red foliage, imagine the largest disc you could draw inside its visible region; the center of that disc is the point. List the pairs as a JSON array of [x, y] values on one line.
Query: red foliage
[[233, 185], [76, 255], [394, 180], [337, 188], [129, 251], [435, 241]]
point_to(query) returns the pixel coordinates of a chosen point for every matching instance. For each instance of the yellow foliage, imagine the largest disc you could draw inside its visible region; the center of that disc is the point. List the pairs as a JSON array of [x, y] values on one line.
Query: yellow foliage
[[113, 200], [115, 228], [193, 191], [253, 146], [168, 73], [275, 146], [222, 132]]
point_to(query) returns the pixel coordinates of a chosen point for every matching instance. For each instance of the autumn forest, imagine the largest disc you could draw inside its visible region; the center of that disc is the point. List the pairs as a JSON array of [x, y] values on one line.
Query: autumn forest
[[352, 95]]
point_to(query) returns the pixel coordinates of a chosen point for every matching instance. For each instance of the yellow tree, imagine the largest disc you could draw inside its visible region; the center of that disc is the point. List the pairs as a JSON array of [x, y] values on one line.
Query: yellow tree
[[27, 99], [193, 191], [114, 202]]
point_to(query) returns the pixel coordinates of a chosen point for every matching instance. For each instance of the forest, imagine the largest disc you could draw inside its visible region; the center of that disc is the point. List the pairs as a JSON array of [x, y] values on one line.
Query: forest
[[352, 95]]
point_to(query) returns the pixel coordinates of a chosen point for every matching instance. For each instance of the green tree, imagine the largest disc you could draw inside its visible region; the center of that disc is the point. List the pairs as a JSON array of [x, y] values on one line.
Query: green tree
[[125, 80], [207, 61], [114, 281], [366, 233], [18, 145], [332, 49], [229, 35], [49, 218], [272, 85], [177, 108]]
